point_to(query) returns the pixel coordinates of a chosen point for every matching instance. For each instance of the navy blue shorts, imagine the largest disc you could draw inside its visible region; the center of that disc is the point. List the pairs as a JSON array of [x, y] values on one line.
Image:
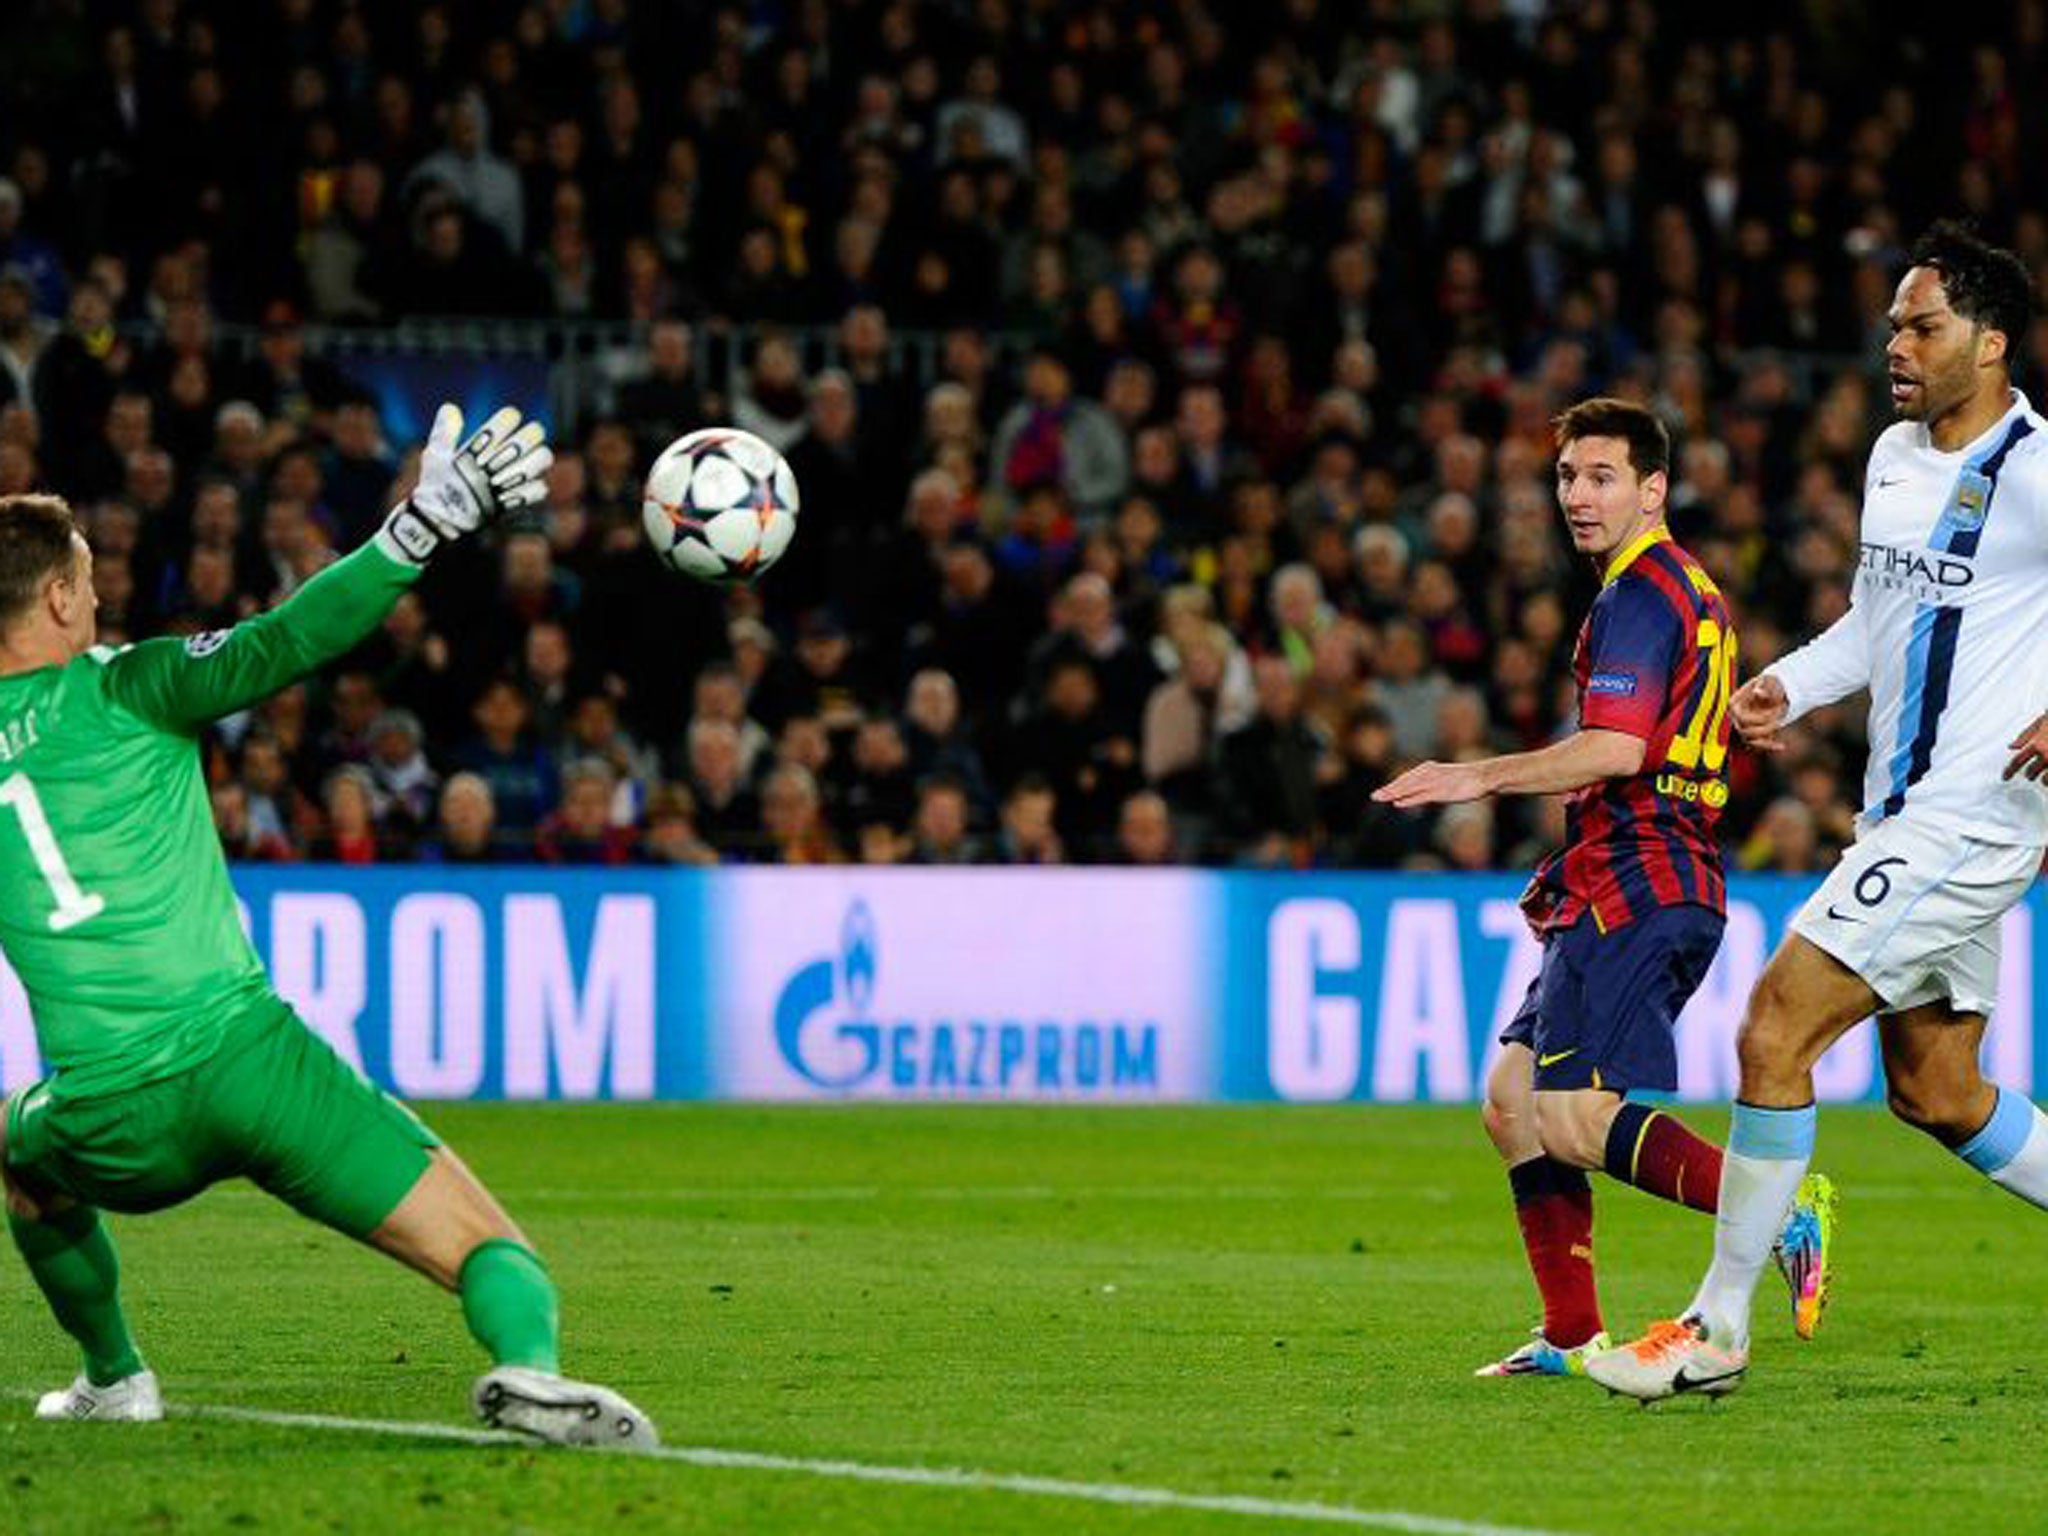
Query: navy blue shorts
[[1601, 1011]]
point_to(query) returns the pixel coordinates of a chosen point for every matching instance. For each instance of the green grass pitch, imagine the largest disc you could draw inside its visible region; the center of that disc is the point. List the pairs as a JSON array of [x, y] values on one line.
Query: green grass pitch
[[1284, 1304]]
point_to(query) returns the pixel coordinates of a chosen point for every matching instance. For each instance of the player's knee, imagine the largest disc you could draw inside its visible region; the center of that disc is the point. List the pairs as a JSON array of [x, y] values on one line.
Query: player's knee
[[1499, 1123], [19, 1202], [1768, 1041], [1770, 1010], [1508, 1113]]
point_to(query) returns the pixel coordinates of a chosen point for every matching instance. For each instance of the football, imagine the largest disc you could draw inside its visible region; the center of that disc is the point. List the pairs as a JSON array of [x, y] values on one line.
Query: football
[[720, 505]]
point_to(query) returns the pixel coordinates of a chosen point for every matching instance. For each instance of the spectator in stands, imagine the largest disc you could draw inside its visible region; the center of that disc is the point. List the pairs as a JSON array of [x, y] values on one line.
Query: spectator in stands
[[832, 471], [353, 705], [273, 804], [1145, 833], [580, 829], [671, 835], [357, 471], [939, 829], [23, 333], [411, 664], [466, 833], [664, 402], [349, 836], [1029, 831], [480, 181], [295, 392], [521, 775], [1359, 830], [936, 739], [828, 680], [978, 123], [1785, 839], [1268, 772], [880, 785], [773, 403], [1086, 624], [547, 673], [1409, 689], [1299, 616], [1073, 742], [594, 732], [793, 817], [728, 816], [403, 783], [239, 838], [884, 403], [1463, 838], [719, 694], [1052, 436], [1187, 716], [33, 259], [352, 256]]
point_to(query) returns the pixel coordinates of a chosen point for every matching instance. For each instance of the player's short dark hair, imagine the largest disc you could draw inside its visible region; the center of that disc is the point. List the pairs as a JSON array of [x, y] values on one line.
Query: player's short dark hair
[[1986, 284], [1649, 445], [35, 544]]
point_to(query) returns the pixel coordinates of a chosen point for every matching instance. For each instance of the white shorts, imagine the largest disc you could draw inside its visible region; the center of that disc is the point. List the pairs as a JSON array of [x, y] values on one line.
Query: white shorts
[[1915, 912]]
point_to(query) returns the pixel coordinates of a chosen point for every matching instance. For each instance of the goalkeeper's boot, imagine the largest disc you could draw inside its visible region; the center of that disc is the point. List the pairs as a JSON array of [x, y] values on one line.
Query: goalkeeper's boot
[[560, 1411], [131, 1400], [1540, 1357], [1805, 1251], [1673, 1357]]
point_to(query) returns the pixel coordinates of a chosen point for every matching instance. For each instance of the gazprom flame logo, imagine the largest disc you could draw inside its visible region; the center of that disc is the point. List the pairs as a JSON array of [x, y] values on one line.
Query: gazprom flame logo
[[857, 950], [851, 1048]]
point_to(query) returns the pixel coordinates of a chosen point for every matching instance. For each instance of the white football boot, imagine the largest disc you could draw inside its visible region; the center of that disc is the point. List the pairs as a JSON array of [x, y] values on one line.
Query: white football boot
[[560, 1411], [131, 1400], [1540, 1357], [1672, 1358]]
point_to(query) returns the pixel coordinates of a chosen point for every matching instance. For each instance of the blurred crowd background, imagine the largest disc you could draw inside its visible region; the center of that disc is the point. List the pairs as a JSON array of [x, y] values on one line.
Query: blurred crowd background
[[1168, 384]]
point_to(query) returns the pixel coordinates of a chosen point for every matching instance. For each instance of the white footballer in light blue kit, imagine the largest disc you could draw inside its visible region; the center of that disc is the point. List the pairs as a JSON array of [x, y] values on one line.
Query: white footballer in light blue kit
[[1948, 628]]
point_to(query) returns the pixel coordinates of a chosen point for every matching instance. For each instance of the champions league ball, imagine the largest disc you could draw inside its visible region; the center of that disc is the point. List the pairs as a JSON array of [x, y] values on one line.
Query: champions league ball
[[720, 505]]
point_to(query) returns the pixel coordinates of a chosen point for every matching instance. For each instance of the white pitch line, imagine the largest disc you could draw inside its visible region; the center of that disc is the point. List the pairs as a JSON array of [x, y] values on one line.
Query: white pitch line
[[824, 1194], [691, 1194], [921, 1477], [950, 1194]]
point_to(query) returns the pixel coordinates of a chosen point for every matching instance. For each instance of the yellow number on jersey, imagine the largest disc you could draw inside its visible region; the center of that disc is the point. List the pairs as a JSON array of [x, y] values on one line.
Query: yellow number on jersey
[[1701, 744]]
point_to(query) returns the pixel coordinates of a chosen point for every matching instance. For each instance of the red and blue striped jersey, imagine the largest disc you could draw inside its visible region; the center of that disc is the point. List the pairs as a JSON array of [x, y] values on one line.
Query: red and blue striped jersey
[[1656, 659]]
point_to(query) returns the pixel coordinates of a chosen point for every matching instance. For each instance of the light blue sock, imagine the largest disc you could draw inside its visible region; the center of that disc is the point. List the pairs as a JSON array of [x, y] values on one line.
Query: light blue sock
[[2012, 1148], [1768, 1150]]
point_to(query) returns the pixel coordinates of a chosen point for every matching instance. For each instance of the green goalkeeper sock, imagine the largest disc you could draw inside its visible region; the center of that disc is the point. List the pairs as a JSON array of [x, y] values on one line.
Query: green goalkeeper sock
[[73, 1260], [509, 1303]]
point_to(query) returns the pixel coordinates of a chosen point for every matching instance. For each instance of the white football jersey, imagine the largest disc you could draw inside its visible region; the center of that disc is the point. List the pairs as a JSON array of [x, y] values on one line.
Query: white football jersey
[[1948, 628]]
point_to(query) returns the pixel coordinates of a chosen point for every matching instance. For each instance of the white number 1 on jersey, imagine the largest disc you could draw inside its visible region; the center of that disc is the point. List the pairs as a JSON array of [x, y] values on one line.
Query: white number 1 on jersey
[[74, 906]]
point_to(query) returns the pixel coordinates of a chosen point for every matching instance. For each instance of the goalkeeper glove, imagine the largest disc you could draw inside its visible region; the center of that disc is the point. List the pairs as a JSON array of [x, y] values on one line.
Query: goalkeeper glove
[[501, 468]]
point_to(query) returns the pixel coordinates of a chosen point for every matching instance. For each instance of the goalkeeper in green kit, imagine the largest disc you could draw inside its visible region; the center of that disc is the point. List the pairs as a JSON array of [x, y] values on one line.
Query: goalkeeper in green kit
[[172, 1063]]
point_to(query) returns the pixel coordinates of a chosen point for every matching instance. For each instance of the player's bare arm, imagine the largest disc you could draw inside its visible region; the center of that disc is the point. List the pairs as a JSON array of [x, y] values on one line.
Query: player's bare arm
[[1586, 757]]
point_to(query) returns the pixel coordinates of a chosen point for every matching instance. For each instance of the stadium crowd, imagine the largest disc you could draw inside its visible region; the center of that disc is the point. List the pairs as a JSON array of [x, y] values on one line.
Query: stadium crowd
[[1228, 494]]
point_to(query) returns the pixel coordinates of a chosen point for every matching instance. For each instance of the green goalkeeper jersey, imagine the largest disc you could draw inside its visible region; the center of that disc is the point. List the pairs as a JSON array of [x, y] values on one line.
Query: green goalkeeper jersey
[[115, 906]]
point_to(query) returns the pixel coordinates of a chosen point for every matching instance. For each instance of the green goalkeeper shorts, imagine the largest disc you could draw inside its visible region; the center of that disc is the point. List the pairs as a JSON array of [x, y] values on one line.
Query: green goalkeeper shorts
[[274, 1104]]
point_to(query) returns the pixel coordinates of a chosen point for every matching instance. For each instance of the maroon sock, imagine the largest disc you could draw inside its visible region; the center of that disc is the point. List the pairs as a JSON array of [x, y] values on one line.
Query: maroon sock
[[1655, 1152], [1554, 1204]]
